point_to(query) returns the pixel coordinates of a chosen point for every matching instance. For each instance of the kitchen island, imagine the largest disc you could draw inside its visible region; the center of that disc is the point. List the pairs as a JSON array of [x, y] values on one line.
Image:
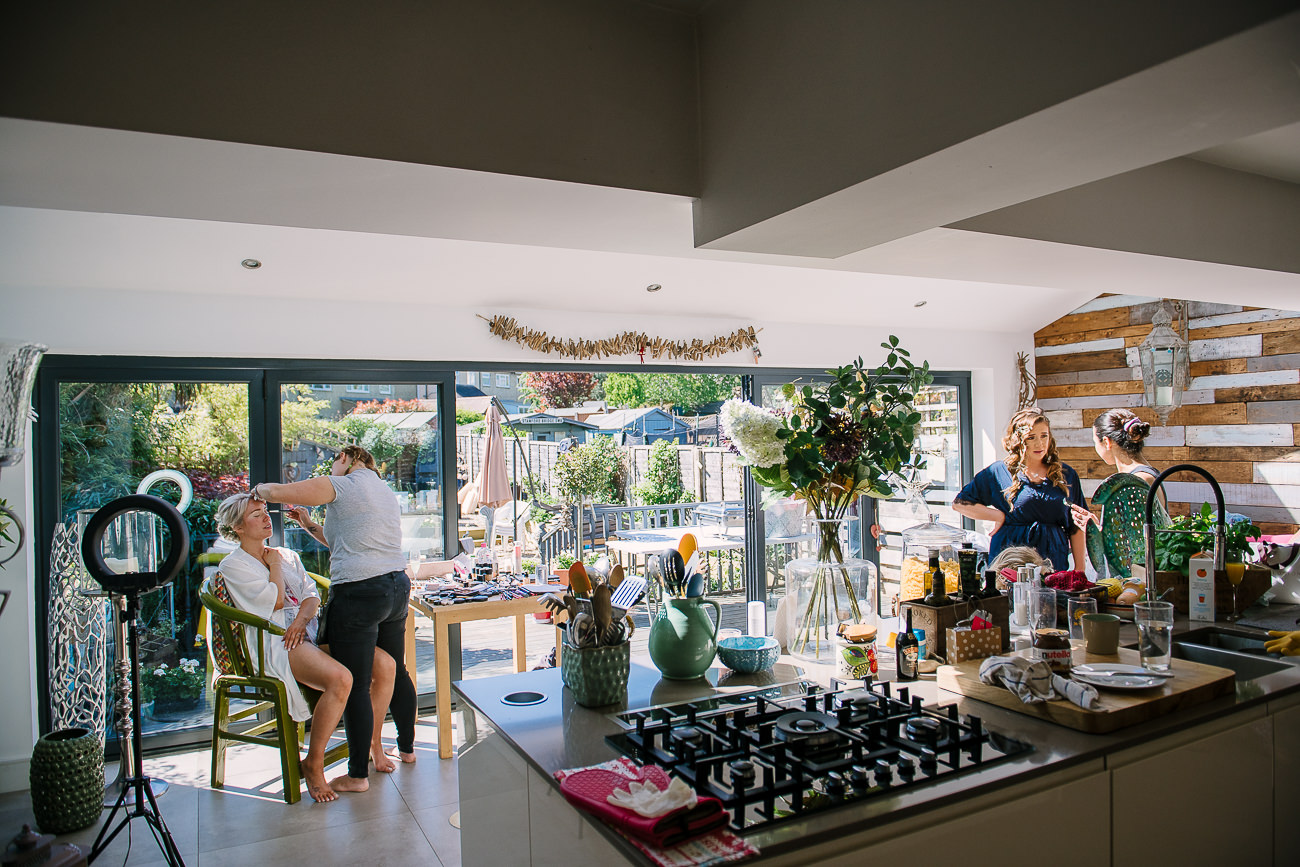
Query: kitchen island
[[1205, 783]]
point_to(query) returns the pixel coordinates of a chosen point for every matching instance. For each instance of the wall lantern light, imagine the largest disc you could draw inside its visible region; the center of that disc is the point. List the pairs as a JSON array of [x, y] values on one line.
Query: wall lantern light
[[1164, 358]]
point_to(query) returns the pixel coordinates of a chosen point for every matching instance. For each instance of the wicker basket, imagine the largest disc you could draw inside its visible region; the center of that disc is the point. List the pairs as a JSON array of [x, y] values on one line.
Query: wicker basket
[[67, 780]]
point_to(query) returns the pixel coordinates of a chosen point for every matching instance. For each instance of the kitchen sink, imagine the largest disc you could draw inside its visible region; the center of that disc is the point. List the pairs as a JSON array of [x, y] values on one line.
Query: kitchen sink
[[1246, 666], [1225, 637]]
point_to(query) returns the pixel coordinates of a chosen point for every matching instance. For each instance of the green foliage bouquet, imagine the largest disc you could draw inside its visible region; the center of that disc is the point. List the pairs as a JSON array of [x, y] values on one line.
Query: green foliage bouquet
[[836, 441]]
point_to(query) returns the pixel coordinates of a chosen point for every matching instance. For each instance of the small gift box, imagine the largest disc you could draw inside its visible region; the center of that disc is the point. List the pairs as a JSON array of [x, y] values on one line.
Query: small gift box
[[964, 644]]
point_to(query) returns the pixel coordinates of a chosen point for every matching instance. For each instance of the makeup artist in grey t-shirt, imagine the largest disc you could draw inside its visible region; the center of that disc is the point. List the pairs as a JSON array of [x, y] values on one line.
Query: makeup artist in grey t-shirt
[[369, 592]]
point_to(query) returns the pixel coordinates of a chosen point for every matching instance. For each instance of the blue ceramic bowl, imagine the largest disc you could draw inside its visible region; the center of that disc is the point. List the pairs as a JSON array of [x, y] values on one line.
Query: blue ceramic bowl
[[748, 653]]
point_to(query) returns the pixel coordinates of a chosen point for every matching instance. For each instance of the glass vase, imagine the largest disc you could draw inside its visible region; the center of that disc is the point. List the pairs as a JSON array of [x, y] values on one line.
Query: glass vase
[[829, 590]]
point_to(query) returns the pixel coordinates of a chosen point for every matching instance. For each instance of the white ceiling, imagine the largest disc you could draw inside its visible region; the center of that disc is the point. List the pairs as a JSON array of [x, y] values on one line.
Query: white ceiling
[[106, 209]]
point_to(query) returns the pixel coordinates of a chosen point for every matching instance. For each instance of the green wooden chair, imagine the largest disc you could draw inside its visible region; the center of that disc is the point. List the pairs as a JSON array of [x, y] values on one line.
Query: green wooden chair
[[246, 680]]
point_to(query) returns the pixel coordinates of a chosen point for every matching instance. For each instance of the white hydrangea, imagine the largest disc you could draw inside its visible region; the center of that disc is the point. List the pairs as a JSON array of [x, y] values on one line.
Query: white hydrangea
[[189, 663], [753, 431], [162, 665], [158, 672]]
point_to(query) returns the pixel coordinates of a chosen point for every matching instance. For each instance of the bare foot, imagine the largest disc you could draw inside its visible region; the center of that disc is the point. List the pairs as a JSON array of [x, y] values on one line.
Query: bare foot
[[344, 783], [383, 763], [408, 758], [319, 790]]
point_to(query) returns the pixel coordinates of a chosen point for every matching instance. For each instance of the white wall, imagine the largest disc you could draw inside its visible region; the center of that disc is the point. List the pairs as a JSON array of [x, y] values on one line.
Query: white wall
[[144, 323], [17, 641]]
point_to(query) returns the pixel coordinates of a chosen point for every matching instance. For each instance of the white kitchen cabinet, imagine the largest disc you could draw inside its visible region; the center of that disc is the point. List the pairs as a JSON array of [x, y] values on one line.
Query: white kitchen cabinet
[[1192, 799], [1286, 784]]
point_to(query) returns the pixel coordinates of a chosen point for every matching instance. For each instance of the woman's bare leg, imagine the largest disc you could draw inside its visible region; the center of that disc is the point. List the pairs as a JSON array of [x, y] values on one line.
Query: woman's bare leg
[[317, 669], [381, 692]]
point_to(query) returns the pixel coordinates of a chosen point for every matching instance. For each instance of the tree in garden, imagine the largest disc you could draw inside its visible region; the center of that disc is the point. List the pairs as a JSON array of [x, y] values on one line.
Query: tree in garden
[[556, 388], [663, 478], [591, 472], [626, 390], [685, 391]]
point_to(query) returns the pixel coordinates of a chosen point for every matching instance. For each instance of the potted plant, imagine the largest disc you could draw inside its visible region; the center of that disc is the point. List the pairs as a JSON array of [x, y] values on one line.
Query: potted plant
[[173, 690], [561, 570], [1173, 550]]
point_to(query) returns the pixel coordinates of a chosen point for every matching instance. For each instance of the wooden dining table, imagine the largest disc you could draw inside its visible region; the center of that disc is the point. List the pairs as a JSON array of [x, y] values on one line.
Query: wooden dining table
[[443, 616]]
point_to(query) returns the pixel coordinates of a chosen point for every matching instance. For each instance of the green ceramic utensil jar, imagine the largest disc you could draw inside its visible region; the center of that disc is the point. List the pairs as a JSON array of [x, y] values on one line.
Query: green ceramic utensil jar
[[683, 640]]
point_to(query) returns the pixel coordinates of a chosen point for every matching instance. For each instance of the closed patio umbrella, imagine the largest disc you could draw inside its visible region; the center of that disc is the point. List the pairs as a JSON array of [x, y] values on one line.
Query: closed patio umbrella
[[493, 479]]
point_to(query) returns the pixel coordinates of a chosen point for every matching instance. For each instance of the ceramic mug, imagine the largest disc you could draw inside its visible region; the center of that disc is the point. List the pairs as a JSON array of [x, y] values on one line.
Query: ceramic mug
[[1101, 632]]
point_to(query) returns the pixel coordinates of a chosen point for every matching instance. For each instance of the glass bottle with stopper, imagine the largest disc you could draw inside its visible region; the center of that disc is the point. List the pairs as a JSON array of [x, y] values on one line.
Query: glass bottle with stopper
[[938, 591]]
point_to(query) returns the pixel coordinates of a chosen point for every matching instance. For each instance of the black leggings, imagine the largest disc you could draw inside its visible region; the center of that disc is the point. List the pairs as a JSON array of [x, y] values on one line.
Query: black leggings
[[363, 615]]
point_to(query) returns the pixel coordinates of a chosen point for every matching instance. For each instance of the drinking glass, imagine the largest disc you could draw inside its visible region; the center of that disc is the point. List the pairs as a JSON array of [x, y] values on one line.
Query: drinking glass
[[1155, 623], [1234, 567], [1042, 608], [1076, 608]]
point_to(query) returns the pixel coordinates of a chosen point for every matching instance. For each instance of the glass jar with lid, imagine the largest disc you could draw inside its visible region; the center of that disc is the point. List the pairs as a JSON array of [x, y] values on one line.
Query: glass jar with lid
[[919, 543]]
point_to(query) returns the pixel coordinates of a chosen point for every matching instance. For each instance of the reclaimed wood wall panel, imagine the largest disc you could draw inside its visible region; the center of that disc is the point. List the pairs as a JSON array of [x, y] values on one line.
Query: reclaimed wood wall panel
[[1240, 418]]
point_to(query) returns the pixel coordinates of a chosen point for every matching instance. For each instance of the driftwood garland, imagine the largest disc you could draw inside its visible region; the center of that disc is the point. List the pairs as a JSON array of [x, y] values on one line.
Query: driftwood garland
[[1028, 395], [626, 343]]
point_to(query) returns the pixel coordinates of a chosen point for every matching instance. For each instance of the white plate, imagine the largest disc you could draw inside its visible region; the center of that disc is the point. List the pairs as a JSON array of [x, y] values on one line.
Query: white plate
[[1126, 677]]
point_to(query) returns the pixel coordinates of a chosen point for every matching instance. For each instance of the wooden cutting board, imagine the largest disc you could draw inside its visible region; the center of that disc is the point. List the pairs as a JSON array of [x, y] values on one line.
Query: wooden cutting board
[[1193, 683]]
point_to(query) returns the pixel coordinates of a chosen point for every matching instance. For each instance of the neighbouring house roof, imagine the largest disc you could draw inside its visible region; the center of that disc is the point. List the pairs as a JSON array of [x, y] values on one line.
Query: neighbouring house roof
[[477, 404], [547, 417], [469, 391], [637, 420]]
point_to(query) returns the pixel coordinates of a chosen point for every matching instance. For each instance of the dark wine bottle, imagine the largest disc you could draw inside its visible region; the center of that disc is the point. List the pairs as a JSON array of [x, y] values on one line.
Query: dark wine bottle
[[938, 584], [967, 559], [907, 651], [990, 585]]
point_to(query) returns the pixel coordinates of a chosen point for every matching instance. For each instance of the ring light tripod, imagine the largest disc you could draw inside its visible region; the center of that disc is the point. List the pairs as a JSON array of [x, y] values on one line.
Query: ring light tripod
[[137, 798]]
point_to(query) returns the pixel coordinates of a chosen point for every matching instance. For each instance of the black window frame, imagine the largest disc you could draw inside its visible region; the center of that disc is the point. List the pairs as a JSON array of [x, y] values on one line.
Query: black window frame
[[265, 376]]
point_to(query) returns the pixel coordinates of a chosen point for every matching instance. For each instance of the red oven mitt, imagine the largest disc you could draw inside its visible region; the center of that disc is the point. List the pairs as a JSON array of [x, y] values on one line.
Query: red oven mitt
[[590, 789]]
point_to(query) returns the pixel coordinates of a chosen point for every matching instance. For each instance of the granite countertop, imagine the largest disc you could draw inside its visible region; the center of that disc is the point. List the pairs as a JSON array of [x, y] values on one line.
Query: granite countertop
[[558, 734]]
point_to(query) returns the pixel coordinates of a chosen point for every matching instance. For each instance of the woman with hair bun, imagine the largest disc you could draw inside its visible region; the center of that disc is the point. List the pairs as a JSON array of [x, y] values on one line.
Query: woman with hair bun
[[1031, 497], [369, 592], [1118, 436]]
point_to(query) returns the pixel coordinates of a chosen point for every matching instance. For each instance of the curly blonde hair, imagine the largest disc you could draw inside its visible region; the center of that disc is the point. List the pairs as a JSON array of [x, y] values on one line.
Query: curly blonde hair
[[230, 514], [1014, 442]]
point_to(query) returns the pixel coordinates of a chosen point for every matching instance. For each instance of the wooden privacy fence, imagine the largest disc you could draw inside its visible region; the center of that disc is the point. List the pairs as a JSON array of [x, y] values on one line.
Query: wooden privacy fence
[[709, 473]]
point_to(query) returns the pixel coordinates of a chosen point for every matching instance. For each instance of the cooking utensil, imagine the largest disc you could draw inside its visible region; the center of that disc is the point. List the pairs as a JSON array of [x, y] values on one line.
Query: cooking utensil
[[616, 576], [579, 582], [554, 604], [629, 593], [600, 609], [687, 546], [695, 585], [601, 567], [693, 564], [582, 631], [674, 571]]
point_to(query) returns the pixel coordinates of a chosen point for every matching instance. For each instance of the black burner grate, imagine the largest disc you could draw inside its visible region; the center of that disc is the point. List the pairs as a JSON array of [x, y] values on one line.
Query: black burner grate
[[773, 754]]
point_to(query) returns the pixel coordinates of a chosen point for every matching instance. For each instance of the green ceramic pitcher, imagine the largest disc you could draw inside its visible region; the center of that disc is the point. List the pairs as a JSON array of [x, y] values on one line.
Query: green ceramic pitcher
[[683, 640]]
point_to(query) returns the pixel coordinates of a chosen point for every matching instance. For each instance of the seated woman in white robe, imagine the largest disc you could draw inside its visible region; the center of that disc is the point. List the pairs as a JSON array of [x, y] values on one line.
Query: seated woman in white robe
[[272, 583]]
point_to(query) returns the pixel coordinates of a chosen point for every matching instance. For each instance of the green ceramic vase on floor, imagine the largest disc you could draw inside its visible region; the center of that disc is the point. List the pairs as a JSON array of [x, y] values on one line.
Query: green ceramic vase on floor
[[67, 780], [683, 640]]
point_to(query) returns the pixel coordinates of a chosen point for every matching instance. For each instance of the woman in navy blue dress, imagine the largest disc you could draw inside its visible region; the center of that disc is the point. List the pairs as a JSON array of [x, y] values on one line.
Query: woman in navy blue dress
[[1031, 497]]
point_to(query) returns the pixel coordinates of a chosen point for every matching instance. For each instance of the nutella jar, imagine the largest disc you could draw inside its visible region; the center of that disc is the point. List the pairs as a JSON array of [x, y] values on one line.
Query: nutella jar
[[1053, 647]]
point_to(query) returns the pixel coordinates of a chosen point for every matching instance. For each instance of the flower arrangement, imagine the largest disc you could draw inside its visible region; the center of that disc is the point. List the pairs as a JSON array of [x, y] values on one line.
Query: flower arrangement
[[833, 443], [170, 686]]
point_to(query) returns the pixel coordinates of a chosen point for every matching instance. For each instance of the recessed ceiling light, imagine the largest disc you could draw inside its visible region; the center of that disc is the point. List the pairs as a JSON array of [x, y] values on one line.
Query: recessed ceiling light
[[251, 264], [653, 287], [919, 304]]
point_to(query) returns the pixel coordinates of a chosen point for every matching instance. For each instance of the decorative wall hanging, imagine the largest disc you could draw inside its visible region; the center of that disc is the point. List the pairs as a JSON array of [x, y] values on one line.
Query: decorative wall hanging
[[78, 638], [1028, 395], [626, 343]]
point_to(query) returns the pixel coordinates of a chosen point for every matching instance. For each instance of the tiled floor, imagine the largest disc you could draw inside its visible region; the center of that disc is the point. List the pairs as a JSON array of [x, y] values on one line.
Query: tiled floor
[[402, 820]]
